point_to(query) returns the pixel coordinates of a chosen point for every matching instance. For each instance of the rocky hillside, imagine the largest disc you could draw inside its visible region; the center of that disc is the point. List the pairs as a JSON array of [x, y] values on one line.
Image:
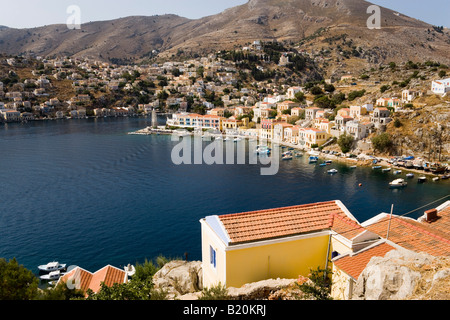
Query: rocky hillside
[[404, 276], [400, 275], [308, 22]]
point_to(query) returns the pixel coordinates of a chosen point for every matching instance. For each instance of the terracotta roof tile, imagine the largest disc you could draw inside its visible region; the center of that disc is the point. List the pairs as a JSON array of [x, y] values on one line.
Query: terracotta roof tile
[[86, 280], [413, 235], [355, 264], [280, 222]]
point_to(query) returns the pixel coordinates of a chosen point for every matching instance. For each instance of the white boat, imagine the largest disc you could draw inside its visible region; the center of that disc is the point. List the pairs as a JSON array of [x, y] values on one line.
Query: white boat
[[398, 172], [263, 150], [386, 170], [313, 159], [410, 175], [54, 275], [130, 270], [436, 179], [422, 179], [398, 183], [52, 266], [287, 157], [332, 171], [353, 167]]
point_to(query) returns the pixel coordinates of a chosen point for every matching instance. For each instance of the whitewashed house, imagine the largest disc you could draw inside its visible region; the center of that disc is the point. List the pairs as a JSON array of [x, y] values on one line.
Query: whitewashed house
[[441, 86]]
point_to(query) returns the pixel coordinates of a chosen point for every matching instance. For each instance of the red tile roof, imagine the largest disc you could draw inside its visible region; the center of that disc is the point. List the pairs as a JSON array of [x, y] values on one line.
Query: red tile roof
[[283, 222], [354, 264], [85, 280], [413, 235]]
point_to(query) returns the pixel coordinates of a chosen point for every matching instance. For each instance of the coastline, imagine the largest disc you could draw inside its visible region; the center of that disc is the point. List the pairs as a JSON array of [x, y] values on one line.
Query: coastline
[[321, 155]]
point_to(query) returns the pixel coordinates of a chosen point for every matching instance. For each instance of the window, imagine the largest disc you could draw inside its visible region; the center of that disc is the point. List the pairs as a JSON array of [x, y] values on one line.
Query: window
[[212, 254], [334, 254]]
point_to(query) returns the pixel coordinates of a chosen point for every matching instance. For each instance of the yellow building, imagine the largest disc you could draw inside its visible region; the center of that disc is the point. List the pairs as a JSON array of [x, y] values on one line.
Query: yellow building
[[277, 243]]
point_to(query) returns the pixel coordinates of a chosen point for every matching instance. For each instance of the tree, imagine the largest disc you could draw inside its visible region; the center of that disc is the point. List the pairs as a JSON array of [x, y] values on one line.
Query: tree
[[16, 282], [329, 87], [318, 288], [442, 74], [382, 142], [316, 90], [345, 142], [300, 97]]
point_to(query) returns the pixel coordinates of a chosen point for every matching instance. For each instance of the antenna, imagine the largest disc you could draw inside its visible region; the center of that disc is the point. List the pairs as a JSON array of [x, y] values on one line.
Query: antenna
[[389, 226]]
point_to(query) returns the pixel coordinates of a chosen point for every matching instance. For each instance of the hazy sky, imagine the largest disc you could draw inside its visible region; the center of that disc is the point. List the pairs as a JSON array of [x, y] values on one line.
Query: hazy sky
[[34, 13]]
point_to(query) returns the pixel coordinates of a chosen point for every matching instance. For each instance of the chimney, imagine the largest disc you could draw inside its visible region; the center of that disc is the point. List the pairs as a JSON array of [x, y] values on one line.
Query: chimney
[[431, 215]]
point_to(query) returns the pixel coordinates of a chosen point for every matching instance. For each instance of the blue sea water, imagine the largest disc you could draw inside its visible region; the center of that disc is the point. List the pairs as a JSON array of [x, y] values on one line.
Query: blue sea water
[[86, 193]]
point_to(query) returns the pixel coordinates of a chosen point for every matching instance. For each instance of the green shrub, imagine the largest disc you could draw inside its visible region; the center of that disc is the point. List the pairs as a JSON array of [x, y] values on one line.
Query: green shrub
[[218, 292]]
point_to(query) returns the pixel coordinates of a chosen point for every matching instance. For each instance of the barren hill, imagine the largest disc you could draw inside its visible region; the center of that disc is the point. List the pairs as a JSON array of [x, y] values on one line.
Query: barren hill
[[400, 37]]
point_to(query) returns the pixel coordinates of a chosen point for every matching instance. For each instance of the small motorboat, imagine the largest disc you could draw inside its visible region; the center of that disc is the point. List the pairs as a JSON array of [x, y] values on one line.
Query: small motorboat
[[353, 167], [54, 275], [386, 170], [299, 154], [313, 159], [398, 183], [376, 167], [410, 175], [323, 164], [436, 179], [130, 270], [52, 266], [263, 150], [332, 171], [287, 157], [445, 177], [397, 171], [422, 179]]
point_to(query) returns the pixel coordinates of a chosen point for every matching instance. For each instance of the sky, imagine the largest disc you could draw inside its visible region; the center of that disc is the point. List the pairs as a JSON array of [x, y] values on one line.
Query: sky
[[35, 13]]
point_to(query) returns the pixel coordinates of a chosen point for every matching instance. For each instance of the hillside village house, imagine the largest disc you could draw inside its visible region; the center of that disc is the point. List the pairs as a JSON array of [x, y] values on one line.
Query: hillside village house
[[278, 131], [9, 115], [310, 137], [359, 130], [192, 120], [288, 242], [277, 243], [286, 105], [232, 124], [291, 134], [296, 112], [267, 127], [429, 234], [440, 86], [310, 113], [292, 91], [410, 95], [381, 116]]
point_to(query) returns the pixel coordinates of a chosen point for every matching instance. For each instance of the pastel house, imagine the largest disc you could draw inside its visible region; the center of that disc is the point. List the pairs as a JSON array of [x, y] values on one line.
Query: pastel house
[[441, 86], [277, 243]]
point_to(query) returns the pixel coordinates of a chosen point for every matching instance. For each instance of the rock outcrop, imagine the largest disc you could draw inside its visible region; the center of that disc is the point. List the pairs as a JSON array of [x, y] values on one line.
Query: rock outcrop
[[400, 275], [179, 278], [403, 275]]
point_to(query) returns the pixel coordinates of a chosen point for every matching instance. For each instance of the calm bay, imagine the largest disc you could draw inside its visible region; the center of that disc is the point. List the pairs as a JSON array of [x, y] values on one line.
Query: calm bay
[[84, 192]]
